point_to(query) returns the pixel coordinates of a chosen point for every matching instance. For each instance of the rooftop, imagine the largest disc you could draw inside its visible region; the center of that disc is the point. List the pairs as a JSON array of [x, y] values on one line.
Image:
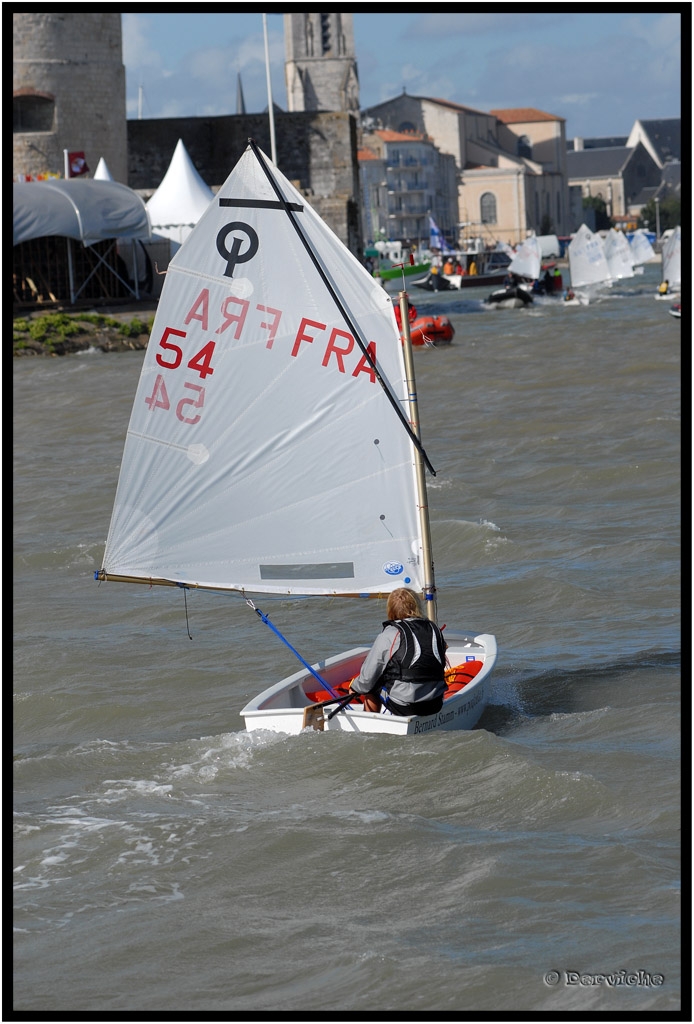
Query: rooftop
[[524, 115]]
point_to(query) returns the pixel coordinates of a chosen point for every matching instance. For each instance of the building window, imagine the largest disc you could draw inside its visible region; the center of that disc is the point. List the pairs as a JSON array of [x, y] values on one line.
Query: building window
[[488, 208], [326, 41], [32, 112], [524, 147]]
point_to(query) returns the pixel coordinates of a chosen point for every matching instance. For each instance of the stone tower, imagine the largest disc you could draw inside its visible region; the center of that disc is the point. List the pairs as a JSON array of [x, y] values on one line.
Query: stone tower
[[68, 92], [320, 67]]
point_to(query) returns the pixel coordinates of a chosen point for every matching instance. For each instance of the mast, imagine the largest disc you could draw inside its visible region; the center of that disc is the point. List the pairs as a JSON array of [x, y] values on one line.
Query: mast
[[271, 112], [422, 500], [348, 319]]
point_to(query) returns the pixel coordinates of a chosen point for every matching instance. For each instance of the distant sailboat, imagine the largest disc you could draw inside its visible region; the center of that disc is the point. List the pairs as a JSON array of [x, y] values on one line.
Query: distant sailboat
[[527, 261], [525, 264], [641, 250], [672, 262], [618, 255], [587, 264]]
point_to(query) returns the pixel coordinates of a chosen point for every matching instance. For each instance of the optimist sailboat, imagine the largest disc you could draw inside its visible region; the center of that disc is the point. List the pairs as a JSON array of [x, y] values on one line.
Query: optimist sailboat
[[641, 250], [671, 267], [588, 265], [618, 255], [273, 445]]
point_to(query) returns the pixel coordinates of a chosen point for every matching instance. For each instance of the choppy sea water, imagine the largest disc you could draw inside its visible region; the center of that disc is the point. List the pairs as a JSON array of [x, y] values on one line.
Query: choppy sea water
[[167, 861]]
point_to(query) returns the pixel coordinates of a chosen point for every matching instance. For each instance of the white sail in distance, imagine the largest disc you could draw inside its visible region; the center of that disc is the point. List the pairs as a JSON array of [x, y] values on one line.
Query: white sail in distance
[[672, 259], [641, 249], [528, 259], [587, 261], [618, 255]]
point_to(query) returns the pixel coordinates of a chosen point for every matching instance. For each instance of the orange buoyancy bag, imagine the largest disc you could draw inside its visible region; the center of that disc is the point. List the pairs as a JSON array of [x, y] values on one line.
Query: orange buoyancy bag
[[460, 675]]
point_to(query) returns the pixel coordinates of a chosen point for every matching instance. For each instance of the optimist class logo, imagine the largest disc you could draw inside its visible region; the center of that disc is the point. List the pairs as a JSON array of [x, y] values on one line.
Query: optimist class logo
[[393, 568]]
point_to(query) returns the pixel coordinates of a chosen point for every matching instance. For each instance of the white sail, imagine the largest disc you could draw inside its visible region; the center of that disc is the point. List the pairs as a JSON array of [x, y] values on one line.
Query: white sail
[[528, 259], [618, 255], [641, 249], [262, 453], [672, 259], [587, 261]]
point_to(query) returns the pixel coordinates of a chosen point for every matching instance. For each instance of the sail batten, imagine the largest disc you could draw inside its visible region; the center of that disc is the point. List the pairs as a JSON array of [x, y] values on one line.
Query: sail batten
[[264, 438]]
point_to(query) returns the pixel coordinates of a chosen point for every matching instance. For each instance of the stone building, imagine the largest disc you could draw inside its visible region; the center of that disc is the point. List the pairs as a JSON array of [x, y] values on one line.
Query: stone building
[[68, 92], [316, 151], [511, 163], [320, 65], [405, 180], [616, 174]]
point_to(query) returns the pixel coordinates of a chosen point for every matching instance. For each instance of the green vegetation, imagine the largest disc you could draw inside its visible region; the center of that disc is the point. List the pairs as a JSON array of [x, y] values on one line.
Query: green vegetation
[[669, 214], [63, 332], [134, 328]]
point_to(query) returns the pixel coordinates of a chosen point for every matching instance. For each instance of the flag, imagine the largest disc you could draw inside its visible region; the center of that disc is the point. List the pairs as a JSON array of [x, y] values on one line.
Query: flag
[[77, 165], [436, 239]]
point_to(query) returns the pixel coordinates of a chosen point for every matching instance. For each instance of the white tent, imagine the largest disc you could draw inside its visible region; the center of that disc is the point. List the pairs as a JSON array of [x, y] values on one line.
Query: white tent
[[181, 199], [80, 210], [88, 211], [102, 172]]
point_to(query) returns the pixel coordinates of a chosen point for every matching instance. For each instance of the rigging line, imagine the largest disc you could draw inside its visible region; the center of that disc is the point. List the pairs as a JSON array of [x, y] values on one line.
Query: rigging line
[[184, 588], [275, 630], [348, 320]]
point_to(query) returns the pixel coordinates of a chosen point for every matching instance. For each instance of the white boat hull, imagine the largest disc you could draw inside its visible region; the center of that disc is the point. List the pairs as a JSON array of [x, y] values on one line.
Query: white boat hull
[[281, 707]]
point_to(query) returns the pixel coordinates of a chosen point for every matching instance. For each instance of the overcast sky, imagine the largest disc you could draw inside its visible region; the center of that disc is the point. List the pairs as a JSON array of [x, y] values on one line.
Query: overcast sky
[[600, 72]]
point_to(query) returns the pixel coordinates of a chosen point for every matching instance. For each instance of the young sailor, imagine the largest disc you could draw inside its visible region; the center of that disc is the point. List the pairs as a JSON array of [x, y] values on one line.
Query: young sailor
[[406, 662]]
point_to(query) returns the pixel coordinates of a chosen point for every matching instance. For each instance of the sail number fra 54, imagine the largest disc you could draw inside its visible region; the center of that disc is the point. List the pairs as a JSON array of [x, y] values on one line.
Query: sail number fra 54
[[338, 348], [201, 363]]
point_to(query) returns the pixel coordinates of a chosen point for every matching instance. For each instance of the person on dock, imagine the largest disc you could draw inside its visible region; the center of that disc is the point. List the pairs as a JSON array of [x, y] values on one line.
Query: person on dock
[[404, 670]]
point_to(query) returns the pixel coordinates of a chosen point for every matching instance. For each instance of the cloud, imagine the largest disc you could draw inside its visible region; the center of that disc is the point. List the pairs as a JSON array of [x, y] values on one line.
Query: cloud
[[447, 25], [201, 81], [138, 49], [577, 99]]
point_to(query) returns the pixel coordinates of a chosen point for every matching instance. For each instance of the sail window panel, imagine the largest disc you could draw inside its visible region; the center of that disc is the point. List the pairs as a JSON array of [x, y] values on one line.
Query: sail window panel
[[308, 571]]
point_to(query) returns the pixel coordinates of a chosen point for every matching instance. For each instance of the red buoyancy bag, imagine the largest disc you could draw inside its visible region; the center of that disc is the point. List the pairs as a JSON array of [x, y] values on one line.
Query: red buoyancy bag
[[460, 675]]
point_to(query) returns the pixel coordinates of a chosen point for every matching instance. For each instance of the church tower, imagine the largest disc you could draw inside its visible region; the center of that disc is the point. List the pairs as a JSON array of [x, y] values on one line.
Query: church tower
[[320, 67]]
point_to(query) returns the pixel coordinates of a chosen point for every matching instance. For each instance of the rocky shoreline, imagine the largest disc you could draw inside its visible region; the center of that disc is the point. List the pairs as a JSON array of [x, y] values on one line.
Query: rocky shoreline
[[61, 333]]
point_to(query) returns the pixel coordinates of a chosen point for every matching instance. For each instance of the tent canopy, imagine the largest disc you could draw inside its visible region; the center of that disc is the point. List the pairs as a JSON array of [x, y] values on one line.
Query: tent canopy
[[102, 172], [86, 210], [181, 199]]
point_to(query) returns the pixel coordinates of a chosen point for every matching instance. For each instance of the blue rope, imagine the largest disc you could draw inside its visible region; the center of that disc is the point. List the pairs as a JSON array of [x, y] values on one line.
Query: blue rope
[[284, 640]]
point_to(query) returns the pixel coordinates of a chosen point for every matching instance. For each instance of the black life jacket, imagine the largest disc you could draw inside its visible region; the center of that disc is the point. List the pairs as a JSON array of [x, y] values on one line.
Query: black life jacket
[[421, 654]]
